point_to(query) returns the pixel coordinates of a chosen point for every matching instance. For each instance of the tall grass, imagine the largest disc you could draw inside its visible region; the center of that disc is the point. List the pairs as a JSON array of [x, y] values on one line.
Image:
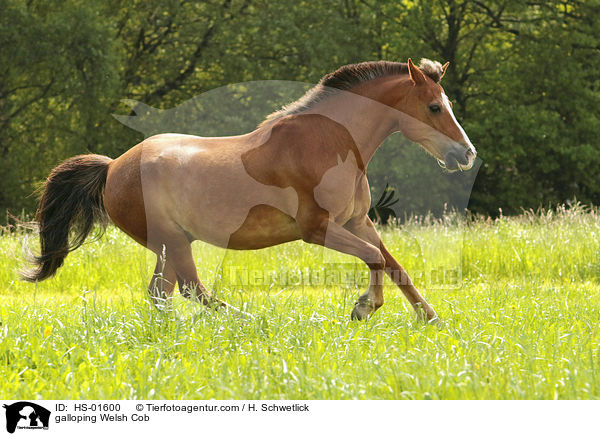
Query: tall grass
[[520, 320]]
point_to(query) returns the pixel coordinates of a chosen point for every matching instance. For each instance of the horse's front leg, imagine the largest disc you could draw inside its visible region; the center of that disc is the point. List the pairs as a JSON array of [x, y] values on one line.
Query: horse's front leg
[[399, 276], [320, 230], [363, 228], [372, 298]]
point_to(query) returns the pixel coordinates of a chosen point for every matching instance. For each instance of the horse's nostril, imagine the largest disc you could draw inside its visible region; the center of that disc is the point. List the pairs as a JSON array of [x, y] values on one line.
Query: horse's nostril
[[469, 154], [451, 160]]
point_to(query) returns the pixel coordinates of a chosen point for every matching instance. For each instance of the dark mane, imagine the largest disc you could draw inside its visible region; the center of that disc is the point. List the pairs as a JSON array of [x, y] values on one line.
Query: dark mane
[[349, 76]]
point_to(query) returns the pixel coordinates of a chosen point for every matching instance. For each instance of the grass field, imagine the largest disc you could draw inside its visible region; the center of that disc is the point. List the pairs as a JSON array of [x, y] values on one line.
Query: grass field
[[522, 325]]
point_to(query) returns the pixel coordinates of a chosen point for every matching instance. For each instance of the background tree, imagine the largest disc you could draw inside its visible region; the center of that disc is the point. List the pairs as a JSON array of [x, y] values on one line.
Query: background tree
[[523, 77], [57, 71]]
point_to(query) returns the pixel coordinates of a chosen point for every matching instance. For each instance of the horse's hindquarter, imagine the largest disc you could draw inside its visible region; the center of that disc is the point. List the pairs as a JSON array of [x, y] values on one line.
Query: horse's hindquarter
[[123, 195]]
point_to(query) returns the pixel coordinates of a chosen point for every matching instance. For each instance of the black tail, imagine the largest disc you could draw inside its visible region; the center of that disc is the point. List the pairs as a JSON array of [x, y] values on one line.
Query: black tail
[[71, 200]]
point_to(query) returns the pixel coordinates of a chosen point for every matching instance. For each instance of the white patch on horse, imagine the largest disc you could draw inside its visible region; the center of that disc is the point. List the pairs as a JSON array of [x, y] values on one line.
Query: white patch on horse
[[446, 103]]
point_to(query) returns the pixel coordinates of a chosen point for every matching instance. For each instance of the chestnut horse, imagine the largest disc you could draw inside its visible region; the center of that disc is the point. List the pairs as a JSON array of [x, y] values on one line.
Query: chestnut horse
[[300, 175]]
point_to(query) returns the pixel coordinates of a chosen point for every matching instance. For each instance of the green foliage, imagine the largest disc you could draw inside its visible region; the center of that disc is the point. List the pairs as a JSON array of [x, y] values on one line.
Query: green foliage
[[58, 70], [522, 326], [523, 78]]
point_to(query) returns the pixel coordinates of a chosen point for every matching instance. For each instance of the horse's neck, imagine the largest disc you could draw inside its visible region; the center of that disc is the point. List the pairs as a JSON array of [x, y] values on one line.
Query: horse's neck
[[366, 114], [368, 121]]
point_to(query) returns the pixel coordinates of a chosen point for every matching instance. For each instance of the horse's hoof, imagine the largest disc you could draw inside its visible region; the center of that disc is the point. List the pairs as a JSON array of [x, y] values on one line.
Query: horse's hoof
[[436, 321], [356, 315], [362, 310]]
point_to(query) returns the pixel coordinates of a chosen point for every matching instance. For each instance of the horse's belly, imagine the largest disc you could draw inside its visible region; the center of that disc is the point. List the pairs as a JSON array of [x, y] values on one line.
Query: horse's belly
[[239, 215], [264, 226]]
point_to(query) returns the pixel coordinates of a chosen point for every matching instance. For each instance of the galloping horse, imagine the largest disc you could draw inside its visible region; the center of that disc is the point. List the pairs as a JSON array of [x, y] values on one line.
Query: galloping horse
[[300, 175]]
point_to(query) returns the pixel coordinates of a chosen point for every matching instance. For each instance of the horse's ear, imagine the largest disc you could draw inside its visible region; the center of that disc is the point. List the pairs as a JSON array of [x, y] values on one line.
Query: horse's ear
[[415, 74], [444, 67]]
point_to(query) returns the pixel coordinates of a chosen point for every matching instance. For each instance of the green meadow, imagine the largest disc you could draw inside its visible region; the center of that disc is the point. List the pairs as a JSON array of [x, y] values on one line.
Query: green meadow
[[519, 298]]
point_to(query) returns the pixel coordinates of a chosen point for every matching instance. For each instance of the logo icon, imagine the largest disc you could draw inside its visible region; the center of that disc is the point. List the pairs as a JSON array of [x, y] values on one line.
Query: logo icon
[[26, 415]]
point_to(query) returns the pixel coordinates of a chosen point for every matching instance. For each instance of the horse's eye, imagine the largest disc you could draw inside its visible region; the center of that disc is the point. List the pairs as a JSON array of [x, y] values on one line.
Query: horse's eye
[[435, 108]]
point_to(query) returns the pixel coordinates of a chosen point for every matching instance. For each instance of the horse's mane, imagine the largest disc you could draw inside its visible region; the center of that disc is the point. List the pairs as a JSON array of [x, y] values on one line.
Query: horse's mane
[[349, 76]]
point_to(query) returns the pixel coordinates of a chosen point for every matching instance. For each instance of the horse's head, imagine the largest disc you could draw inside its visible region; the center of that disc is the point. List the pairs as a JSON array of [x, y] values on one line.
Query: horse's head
[[431, 122]]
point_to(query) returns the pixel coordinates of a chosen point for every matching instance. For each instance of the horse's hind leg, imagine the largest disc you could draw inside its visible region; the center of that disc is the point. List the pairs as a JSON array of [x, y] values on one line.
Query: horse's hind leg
[[162, 283], [192, 289], [179, 264], [178, 252]]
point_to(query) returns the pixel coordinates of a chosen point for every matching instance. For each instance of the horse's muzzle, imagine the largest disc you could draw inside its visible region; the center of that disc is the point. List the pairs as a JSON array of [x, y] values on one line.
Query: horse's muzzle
[[461, 159]]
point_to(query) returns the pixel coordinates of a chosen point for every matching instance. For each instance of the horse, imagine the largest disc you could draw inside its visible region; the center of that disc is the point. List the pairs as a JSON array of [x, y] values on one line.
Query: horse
[[301, 174]]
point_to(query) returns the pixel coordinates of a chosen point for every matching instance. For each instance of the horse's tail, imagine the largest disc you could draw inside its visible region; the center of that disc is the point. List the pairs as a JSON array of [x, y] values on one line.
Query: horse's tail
[[72, 199]]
